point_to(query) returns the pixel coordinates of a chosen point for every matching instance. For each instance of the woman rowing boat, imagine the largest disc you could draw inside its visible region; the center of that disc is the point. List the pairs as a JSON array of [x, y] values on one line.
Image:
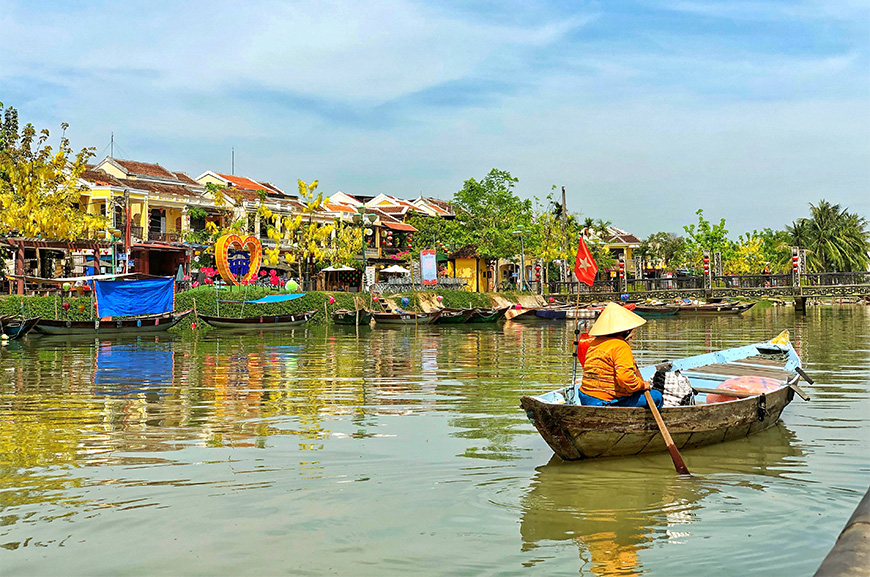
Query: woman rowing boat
[[610, 375]]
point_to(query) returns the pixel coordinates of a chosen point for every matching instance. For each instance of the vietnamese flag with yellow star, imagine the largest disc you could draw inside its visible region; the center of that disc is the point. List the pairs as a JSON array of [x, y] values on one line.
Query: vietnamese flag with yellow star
[[585, 267]]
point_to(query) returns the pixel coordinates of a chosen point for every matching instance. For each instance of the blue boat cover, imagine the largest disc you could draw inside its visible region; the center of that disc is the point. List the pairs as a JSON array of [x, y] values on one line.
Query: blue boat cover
[[133, 368], [121, 298], [269, 299]]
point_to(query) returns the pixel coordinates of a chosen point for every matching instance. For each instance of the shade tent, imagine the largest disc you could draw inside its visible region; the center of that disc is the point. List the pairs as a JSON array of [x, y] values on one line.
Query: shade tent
[[395, 269], [337, 269]]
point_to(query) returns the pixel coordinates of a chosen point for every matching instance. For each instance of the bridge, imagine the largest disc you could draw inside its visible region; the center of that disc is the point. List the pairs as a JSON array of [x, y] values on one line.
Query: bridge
[[799, 287]]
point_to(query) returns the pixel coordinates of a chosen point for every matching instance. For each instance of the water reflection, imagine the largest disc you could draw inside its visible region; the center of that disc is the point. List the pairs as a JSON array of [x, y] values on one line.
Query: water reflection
[[613, 509]]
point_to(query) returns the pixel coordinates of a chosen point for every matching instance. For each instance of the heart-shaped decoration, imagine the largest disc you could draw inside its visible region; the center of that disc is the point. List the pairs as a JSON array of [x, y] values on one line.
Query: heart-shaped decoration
[[238, 260]]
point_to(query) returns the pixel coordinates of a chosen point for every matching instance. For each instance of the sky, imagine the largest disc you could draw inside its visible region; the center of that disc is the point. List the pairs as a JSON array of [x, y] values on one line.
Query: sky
[[644, 111]]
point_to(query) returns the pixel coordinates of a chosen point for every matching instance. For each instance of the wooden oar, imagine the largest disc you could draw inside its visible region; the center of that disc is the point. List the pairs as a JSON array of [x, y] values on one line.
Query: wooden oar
[[679, 465]]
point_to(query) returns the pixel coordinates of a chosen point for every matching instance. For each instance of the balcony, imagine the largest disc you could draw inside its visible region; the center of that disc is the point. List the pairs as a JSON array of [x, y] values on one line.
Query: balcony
[[169, 236], [135, 232]]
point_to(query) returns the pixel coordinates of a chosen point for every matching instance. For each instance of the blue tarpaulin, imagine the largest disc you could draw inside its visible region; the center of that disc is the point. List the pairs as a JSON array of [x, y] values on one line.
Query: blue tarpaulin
[[134, 368], [269, 299], [121, 298]]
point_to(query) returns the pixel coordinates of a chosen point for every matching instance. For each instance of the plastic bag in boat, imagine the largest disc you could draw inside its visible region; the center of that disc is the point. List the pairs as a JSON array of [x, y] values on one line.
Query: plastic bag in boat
[[674, 386]]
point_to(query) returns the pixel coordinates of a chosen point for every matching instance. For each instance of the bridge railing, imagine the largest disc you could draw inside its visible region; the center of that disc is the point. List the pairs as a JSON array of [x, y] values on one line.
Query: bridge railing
[[835, 278], [752, 281]]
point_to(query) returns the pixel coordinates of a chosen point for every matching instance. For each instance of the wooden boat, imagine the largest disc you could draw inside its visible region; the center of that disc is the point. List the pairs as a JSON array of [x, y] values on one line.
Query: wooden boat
[[405, 318], [117, 326], [15, 328], [348, 317], [482, 315], [553, 313], [576, 431], [267, 322], [453, 316], [513, 313], [656, 310], [724, 308]]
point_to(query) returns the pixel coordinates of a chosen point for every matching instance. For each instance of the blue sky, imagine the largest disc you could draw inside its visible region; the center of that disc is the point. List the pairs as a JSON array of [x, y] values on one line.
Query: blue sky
[[645, 111]]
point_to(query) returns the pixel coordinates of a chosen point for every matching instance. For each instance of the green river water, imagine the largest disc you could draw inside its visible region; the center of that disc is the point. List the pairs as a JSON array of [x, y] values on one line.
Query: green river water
[[402, 451]]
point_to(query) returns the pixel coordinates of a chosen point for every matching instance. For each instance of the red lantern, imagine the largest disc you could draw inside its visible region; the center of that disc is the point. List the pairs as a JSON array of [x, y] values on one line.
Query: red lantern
[[65, 306], [706, 260]]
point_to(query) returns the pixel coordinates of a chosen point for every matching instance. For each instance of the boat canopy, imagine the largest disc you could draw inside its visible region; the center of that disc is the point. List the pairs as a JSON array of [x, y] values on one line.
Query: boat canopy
[[134, 297], [268, 299]]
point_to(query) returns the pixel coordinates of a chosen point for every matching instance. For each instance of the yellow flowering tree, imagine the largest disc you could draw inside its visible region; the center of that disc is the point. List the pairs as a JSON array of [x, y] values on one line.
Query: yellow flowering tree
[[40, 189], [308, 239]]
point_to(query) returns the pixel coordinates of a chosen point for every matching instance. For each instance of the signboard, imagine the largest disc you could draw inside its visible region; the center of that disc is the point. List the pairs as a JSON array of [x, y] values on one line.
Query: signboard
[[238, 259], [369, 277], [428, 267]]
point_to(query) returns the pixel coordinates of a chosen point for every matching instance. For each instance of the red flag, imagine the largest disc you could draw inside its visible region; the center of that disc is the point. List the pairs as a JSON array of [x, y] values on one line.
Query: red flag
[[585, 267]]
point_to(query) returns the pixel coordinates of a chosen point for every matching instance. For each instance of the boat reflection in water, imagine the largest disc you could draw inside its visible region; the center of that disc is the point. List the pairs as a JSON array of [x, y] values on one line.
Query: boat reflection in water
[[133, 368], [613, 509]]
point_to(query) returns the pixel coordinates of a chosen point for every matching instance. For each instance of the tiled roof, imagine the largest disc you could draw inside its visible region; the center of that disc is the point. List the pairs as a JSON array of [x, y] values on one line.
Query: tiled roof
[[184, 178], [242, 183], [100, 178], [144, 168]]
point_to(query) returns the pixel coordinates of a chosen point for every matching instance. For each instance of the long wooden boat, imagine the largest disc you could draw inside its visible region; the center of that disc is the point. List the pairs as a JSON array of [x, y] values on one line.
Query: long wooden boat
[[405, 318], [716, 308], [119, 326], [577, 431], [348, 317], [453, 316], [15, 328], [482, 315], [656, 310], [268, 322]]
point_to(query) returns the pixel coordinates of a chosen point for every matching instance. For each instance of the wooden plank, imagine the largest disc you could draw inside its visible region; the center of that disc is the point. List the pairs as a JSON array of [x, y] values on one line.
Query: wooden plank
[[742, 371]]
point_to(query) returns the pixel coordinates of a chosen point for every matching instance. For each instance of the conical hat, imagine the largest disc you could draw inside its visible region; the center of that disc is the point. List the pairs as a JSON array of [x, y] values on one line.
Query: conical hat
[[615, 319]]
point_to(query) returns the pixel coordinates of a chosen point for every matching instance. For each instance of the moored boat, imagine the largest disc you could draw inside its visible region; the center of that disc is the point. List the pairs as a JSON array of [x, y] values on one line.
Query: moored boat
[[348, 317], [15, 328], [405, 318], [645, 310], [577, 431], [482, 315], [453, 316], [115, 326], [267, 322], [724, 308]]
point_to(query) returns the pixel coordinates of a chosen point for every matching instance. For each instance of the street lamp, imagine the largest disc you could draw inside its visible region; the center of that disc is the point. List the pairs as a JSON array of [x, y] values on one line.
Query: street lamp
[[520, 230], [364, 220]]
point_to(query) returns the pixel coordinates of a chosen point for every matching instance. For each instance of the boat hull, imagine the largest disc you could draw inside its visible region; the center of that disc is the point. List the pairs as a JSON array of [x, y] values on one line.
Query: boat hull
[[17, 328], [134, 326], [398, 319], [656, 311], [715, 309], [576, 432], [270, 322], [347, 317], [481, 315], [453, 316]]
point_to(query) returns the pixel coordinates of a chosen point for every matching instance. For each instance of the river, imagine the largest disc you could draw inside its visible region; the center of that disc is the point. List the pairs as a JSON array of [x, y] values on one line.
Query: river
[[399, 451]]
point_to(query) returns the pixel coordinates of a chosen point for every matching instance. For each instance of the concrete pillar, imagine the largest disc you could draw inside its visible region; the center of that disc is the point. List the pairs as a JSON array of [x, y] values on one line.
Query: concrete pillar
[[800, 304]]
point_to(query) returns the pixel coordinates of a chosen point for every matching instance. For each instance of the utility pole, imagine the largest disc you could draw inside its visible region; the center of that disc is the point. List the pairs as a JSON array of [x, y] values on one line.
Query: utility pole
[[233, 162]]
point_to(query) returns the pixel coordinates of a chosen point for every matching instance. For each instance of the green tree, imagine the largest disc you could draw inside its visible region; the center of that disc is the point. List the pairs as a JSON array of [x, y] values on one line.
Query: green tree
[[835, 239], [707, 236], [487, 213], [664, 249], [40, 192]]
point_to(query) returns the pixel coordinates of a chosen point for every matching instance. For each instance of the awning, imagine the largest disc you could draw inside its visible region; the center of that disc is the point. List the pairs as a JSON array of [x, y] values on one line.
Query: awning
[[268, 299], [337, 269], [398, 226]]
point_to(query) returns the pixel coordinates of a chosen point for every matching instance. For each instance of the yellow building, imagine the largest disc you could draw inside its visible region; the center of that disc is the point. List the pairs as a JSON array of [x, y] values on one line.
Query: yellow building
[[466, 264]]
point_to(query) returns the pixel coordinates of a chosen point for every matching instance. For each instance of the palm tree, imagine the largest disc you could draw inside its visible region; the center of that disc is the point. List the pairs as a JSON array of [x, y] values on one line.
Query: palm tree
[[835, 239]]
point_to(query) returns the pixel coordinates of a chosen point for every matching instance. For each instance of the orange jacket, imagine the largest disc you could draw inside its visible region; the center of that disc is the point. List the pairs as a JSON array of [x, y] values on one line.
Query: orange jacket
[[610, 371]]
